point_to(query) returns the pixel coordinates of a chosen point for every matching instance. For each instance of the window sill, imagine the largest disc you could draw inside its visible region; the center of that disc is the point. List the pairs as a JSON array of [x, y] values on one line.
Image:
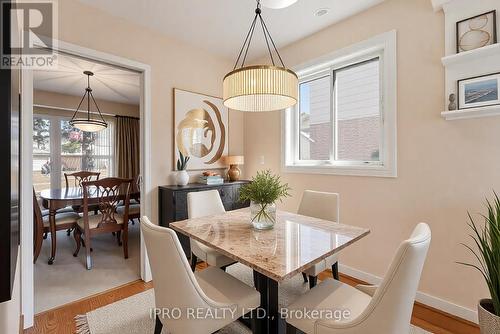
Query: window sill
[[372, 171]]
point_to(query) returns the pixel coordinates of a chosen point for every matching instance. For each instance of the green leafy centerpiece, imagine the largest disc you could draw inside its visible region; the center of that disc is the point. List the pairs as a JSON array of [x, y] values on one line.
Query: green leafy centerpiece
[[263, 192], [487, 243]]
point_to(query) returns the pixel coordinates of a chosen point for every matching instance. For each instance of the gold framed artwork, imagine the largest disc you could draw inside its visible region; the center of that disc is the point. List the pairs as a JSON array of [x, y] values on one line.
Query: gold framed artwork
[[200, 129], [476, 32]]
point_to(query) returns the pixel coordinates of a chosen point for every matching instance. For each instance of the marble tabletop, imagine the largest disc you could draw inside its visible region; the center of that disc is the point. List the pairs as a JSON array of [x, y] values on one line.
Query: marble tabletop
[[294, 244]]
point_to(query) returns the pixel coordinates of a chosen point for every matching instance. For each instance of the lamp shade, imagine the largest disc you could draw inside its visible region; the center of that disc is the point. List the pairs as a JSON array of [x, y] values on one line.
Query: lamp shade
[[260, 88], [234, 160]]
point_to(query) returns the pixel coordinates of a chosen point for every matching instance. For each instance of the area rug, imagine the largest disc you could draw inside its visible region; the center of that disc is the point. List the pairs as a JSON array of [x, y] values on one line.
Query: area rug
[[131, 315]]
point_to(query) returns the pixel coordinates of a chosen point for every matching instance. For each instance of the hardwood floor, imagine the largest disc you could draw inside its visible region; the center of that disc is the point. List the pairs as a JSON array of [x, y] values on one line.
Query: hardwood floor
[[61, 319]]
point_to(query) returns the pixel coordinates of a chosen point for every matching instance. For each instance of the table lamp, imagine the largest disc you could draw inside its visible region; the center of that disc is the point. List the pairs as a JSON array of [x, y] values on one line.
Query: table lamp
[[233, 161]]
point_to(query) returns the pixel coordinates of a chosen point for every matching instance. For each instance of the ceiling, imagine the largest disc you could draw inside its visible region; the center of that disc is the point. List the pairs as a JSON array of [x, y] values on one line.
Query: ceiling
[[221, 26], [108, 83]]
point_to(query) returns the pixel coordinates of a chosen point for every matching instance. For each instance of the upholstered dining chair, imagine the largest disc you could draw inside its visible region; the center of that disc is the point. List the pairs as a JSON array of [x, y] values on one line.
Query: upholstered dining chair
[[41, 226], [107, 194], [384, 309], [210, 290], [200, 204], [322, 205]]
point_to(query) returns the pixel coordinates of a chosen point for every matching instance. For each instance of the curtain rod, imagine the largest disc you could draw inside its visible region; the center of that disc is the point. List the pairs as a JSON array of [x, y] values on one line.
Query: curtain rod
[[67, 109]]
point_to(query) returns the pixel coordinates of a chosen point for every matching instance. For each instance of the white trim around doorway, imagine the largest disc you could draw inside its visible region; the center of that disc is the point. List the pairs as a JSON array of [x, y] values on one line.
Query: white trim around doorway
[[27, 277]]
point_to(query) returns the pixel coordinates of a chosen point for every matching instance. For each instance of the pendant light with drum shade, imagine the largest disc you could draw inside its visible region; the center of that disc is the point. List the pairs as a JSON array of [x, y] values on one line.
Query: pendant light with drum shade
[[88, 124], [260, 87]]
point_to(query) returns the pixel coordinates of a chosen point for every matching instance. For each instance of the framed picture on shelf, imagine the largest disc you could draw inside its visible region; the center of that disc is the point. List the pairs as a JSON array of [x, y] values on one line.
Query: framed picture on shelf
[[481, 91], [476, 32], [201, 129]]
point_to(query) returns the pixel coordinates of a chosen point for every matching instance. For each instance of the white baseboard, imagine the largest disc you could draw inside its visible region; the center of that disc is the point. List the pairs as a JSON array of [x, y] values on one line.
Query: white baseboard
[[424, 298]]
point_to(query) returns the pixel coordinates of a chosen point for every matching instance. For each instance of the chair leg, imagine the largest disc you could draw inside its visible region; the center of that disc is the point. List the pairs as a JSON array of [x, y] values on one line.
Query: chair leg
[[304, 276], [37, 247], [78, 239], [313, 280], [88, 258], [118, 237], [158, 325], [290, 329], [335, 271], [194, 260], [254, 327], [125, 242]]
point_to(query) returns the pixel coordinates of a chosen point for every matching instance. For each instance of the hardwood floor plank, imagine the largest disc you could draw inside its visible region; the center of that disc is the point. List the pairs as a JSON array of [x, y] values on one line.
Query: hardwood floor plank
[[61, 320]]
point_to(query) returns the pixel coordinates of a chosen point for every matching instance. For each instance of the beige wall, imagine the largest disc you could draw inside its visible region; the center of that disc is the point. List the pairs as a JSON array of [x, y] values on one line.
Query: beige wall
[[173, 64], [445, 168], [52, 99]]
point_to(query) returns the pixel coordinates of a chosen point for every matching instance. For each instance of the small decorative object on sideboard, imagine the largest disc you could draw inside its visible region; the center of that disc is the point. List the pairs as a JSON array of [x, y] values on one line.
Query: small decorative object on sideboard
[[476, 32], [182, 177], [234, 173], [453, 102], [263, 192], [481, 91], [210, 178], [487, 239]]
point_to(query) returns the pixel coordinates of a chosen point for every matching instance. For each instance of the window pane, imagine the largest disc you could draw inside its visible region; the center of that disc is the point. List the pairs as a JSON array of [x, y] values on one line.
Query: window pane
[[357, 94], [315, 133], [41, 154], [89, 151]]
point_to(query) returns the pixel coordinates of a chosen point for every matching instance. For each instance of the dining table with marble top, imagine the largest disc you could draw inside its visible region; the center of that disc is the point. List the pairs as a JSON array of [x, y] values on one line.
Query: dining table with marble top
[[293, 245]]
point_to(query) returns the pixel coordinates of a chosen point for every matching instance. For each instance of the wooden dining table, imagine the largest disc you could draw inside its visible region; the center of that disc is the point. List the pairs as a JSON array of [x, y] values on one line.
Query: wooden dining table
[[55, 199], [294, 244]]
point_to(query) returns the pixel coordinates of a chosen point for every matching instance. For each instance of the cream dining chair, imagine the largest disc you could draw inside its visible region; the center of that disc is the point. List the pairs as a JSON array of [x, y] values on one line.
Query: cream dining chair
[[176, 287], [373, 309], [200, 204], [325, 206]]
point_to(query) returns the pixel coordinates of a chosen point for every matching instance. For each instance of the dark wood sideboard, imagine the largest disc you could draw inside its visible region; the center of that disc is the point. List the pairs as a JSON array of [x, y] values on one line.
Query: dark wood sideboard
[[172, 203]]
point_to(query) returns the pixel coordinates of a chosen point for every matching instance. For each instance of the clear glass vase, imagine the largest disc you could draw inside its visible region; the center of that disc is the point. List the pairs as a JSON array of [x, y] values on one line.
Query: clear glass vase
[[262, 216]]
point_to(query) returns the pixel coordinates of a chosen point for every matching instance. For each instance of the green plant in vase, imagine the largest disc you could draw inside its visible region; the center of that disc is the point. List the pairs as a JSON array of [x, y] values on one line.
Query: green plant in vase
[[263, 192], [487, 253], [182, 177]]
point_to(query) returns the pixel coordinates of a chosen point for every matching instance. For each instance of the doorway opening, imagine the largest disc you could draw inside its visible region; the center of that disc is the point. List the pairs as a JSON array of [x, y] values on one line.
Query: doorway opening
[[53, 147]]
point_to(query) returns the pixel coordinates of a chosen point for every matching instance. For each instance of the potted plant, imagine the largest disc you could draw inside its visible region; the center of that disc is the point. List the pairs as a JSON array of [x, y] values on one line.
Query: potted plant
[[263, 192], [182, 177], [487, 253]]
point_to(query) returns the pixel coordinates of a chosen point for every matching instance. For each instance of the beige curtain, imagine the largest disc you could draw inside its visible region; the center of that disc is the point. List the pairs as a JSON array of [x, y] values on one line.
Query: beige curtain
[[127, 146]]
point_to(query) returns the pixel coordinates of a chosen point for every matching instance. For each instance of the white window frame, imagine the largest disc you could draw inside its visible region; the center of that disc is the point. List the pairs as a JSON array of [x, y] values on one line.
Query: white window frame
[[55, 148], [382, 46]]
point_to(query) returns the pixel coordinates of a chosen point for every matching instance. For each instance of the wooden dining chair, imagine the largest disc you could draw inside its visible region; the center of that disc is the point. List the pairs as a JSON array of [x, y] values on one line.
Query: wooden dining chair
[[134, 209], [106, 194], [41, 225], [78, 178]]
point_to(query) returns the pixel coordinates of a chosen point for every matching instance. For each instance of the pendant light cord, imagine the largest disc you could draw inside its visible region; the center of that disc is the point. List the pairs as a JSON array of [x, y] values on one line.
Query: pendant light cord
[[248, 40]]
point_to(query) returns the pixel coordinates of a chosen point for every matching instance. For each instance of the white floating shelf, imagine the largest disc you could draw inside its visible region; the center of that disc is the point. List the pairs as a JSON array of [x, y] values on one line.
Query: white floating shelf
[[471, 113], [467, 56]]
